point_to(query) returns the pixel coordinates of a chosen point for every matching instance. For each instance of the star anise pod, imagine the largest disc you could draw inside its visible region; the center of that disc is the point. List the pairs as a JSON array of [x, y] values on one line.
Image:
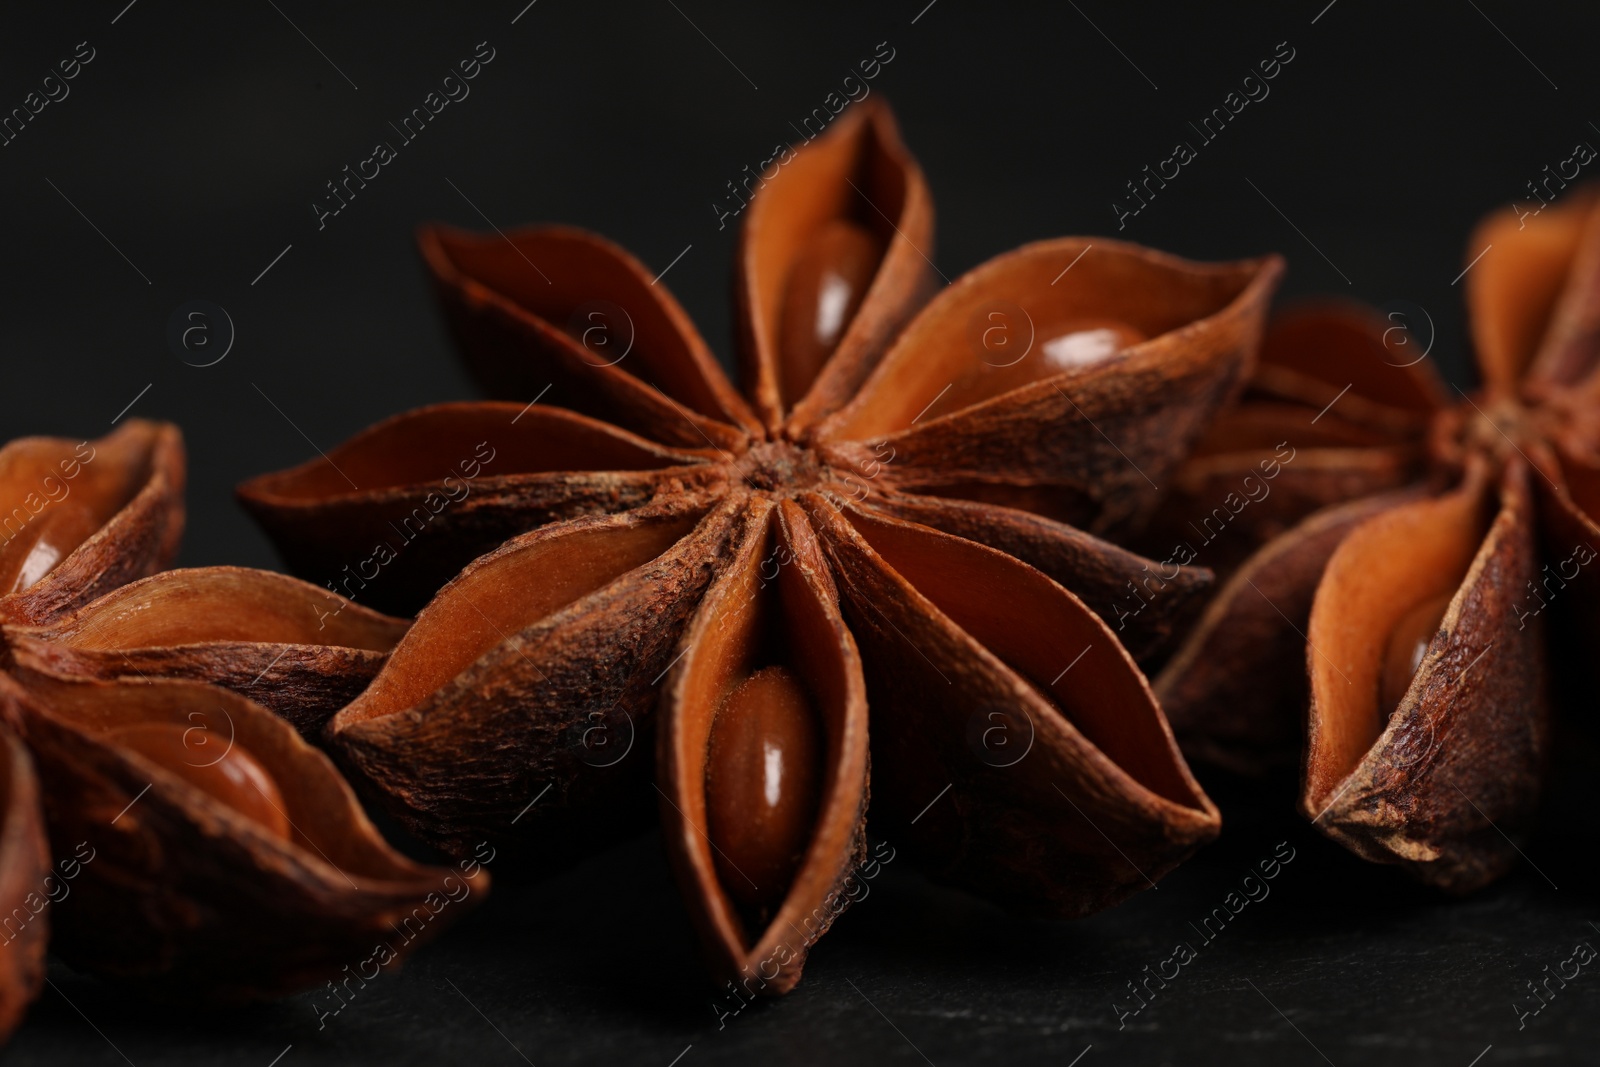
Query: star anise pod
[[903, 510], [200, 846], [1418, 595]]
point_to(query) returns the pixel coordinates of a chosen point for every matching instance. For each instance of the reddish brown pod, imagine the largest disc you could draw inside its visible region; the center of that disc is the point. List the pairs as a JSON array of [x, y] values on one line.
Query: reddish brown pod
[[80, 518], [228, 859], [889, 548], [198, 847], [85, 527], [430, 490], [292, 647], [1438, 617]]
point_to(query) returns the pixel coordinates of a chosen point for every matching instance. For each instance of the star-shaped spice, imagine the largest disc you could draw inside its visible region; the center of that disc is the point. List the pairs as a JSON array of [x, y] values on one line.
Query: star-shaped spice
[[903, 512], [196, 845], [1445, 575]]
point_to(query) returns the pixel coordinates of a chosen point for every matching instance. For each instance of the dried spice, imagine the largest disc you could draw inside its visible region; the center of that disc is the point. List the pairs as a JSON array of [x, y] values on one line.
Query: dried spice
[[287, 645], [904, 509], [230, 857], [81, 519], [213, 851], [1421, 607]]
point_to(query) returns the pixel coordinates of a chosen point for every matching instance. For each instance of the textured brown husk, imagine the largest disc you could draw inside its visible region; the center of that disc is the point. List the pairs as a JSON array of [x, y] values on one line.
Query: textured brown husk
[[475, 726], [1335, 410], [186, 896], [997, 630], [289, 646], [506, 746], [1453, 779], [1502, 524], [860, 169], [1113, 582], [139, 470], [509, 326], [391, 515], [720, 645], [1056, 437], [1234, 688]]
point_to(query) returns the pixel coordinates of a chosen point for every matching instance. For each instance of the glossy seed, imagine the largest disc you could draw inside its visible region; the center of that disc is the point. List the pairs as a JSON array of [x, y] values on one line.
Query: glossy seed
[[224, 771], [1083, 342], [1014, 351], [1408, 643], [823, 292], [46, 539], [763, 774]]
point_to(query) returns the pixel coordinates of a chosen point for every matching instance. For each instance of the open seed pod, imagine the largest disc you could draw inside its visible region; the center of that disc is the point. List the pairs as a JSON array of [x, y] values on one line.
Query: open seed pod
[[1071, 401], [81, 518], [1144, 600], [230, 860], [831, 266], [1368, 365], [763, 754], [26, 888], [881, 442], [1234, 690], [1429, 711], [289, 646], [521, 704], [1443, 617], [522, 332], [1067, 792], [395, 512]]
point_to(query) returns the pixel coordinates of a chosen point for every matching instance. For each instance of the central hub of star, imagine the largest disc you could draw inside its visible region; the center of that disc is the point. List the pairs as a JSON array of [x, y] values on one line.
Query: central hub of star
[[781, 467], [1491, 429]]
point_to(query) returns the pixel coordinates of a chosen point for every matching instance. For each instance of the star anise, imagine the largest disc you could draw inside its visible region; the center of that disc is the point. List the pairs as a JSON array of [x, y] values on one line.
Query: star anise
[[196, 843], [1418, 595], [902, 510]]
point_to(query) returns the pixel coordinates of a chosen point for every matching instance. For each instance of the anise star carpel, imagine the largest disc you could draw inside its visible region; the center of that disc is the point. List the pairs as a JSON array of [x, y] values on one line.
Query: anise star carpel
[[1435, 615], [196, 844], [900, 513]]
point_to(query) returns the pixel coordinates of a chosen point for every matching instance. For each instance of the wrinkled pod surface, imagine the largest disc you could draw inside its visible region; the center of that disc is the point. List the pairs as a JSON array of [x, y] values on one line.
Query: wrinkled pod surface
[[227, 858], [719, 606]]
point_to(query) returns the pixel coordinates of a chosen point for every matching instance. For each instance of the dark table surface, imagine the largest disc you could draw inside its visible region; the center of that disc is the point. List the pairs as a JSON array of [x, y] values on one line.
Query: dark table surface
[[183, 166]]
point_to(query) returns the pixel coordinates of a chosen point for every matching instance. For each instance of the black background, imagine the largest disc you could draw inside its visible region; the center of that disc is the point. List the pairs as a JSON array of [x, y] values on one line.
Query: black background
[[199, 136]]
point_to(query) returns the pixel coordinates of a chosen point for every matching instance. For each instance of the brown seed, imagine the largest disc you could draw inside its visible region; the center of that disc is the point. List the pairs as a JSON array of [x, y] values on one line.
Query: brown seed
[[82, 518], [236, 778], [1408, 643], [1055, 348], [762, 780], [45, 541], [825, 287], [1081, 342]]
